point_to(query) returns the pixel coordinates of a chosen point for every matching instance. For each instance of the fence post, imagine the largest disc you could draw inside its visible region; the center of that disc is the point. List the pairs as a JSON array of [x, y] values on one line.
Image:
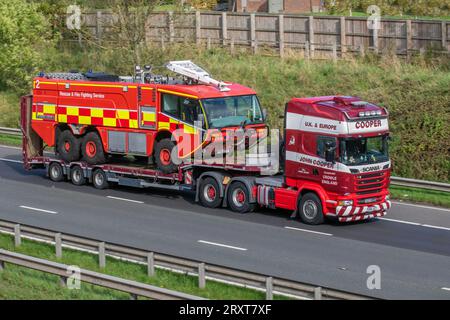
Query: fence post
[[150, 264], [311, 35], [281, 34], [98, 26], [255, 47], [58, 245], [17, 238], [335, 52], [375, 39], [408, 36], [101, 255], [171, 26], [269, 288], [307, 53], [208, 44], [444, 35], [252, 30], [232, 46], [343, 36], [224, 29], [163, 45], [318, 293], [201, 275], [198, 27], [361, 50]]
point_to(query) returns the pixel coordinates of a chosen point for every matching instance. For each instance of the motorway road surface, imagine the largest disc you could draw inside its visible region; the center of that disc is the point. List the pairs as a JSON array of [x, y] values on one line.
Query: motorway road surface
[[411, 245]]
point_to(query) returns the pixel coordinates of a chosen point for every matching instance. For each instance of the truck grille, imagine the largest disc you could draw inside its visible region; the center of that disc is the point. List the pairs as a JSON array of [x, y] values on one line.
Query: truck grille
[[370, 183]]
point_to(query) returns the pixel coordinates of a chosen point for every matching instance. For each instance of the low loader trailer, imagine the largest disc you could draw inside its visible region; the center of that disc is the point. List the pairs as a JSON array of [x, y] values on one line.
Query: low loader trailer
[[334, 164]]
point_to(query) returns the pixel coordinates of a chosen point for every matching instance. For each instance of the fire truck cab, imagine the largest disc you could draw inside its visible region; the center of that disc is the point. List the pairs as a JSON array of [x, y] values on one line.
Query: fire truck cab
[[92, 116]]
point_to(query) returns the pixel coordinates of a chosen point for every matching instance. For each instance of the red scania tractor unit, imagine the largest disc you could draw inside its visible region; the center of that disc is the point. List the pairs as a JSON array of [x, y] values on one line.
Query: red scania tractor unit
[[334, 161], [93, 115]]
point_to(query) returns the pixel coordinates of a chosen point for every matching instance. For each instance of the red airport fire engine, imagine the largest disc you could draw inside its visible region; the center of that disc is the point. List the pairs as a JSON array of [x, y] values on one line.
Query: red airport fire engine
[[334, 161]]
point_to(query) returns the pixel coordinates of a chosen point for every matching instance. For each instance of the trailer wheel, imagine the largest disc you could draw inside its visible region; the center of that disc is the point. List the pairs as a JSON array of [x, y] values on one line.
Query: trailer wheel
[[77, 176], [238, 197], [163, 156], [68, 146], [99, 179], [92, 149], [210, 193], [310, 209], [55, 172]]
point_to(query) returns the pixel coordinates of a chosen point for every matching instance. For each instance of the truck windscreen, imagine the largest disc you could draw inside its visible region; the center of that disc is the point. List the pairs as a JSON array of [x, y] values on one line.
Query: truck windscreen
[[232, 111], [358, 151]]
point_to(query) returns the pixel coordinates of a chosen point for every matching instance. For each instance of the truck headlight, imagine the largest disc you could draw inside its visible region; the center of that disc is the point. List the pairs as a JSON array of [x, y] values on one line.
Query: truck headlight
[[345, 203], [387, 198]]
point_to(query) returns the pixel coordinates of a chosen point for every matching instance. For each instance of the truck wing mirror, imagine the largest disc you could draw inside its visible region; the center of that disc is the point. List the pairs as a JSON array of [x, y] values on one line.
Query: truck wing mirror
[[330, 151]]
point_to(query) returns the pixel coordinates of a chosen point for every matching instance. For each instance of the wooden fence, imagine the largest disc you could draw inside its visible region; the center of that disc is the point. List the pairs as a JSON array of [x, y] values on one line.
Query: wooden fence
[[285, 31]]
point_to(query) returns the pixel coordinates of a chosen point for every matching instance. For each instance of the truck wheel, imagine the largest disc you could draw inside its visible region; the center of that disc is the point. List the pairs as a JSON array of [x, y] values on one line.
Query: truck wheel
[[100, 180], [92, 149], [310, 209], [77, 176], [68, 146], [55, 172], [238, 197], [163, 156], [210, 193]]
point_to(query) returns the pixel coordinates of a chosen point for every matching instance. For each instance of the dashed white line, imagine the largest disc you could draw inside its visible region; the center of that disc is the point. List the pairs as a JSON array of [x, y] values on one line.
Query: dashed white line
[[123, 199], [10, 147], [420, 206], [310, 231], [11, 160], [39, 210], [222, 245], [401, 221], [416, 224], [446, 289]]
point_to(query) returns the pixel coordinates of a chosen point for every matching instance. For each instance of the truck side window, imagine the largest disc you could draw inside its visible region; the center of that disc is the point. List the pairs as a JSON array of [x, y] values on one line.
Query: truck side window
[[321, 142], [170, 105]]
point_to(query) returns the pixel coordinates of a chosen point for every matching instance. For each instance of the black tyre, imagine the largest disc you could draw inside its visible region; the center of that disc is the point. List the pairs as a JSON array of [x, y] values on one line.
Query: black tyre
[[77, 176], [310, 209], [92, 149], [209, 193], [163, 156], [68, 146], [99, 179], [55, 172], [238, 197]]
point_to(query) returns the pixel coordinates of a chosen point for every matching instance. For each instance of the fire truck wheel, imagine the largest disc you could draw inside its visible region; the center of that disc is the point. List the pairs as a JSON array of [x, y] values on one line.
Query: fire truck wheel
[[99, 179], [238, 198], [209, 193], [310, 209], [92, 149], [55, 172], [77, 176], [68, 146], [163, 156]]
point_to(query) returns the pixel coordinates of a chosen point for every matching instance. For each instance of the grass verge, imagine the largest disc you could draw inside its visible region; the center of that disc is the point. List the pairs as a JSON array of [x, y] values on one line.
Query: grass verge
[[10, 140], [420, 195], [22, 283]]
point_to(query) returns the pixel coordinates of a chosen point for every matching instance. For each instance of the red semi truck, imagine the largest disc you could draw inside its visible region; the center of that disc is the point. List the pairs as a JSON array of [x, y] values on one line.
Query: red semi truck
[[334, 161]]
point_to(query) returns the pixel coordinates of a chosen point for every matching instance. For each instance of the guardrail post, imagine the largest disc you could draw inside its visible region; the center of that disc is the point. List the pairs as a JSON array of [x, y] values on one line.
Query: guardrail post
[[201, 275], [63, 281], [101, 255], [318, 293], [58, 245], [2, 265], [150, 264], [133, 296], [269, 288], [17, 238]]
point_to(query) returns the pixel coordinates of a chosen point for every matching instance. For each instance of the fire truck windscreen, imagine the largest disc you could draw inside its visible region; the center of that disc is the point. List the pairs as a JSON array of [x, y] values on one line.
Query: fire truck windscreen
[[359, 151], [232, 111]]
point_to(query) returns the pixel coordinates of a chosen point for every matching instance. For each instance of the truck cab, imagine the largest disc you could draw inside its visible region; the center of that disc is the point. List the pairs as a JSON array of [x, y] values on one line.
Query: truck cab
[[337, 147]]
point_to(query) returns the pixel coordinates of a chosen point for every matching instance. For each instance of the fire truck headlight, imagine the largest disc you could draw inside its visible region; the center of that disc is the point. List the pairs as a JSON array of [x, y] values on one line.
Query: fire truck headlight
[[345, 203]]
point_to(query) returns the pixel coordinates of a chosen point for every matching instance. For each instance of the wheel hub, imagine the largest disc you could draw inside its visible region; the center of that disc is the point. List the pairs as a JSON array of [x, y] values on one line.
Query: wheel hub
[[210, 193], [91, 149], [238, 197], [310, 209], [164, 156]]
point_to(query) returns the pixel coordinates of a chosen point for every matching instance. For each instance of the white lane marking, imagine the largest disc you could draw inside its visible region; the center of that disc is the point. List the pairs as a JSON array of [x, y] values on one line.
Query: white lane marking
[[416, 224], [222, 245], [401, 221], [123, 199], [435, 227], [10, 160], [446, 289], [420, 206], [10, 147], [311, 231], [39, 210]]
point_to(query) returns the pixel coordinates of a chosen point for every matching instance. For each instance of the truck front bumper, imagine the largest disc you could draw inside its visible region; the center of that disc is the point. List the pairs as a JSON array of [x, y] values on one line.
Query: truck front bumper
[[358, 213]]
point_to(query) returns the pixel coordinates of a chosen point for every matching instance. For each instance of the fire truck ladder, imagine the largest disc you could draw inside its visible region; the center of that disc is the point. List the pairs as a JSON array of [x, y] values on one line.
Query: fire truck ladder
[[190, 70]]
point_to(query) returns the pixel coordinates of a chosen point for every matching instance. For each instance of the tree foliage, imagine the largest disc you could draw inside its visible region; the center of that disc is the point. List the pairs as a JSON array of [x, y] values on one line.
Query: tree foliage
[[24, 35]]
